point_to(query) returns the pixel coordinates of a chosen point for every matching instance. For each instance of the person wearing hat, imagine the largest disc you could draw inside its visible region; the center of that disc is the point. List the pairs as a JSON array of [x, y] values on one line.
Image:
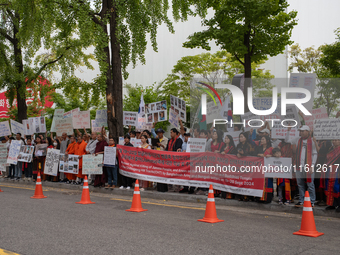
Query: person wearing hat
[[163, 141], [306, 149]]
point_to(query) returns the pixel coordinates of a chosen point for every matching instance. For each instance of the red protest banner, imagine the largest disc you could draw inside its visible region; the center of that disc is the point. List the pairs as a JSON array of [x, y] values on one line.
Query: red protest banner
[[225, 172]]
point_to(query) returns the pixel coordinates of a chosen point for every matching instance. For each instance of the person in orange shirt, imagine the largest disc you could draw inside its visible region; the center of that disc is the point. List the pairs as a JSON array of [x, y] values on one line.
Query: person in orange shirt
[[71, 150], [80, 149]]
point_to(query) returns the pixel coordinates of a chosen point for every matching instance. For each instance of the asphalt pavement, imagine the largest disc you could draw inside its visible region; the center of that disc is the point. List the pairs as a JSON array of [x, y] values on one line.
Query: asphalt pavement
[[57, 225]]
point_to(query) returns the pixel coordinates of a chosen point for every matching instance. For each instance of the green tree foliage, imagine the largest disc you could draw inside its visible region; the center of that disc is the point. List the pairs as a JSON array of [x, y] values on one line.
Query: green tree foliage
[[250, 30], [211, 68], [310, 60], [331, 56], [36, 38], [74, 93]]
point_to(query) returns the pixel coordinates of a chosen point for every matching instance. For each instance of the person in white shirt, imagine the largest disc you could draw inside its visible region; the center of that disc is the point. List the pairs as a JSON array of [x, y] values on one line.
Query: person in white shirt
[[306, 149], [18, 167]]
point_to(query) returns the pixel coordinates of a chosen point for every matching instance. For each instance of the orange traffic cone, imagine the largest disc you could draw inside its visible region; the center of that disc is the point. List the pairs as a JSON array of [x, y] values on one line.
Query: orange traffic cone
[[1, 190], [307, 222], [38, 194], [85, 197], [210, 210], [136, 201]]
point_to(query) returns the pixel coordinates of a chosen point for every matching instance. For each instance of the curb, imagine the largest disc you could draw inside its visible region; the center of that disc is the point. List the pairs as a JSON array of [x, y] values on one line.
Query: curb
[[174, 196]]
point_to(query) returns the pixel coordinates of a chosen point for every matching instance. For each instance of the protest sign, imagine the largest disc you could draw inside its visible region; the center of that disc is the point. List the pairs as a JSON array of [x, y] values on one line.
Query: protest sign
[[14, 151], [173, 118], [51, 162], [69, 163], [213, 111], [326, 129], [251, 116], [64, 126], [121, 140], [278, 167], [235, 135], [320, 113], [179, 107], [58, 115], [130, 118], [69, 114], [187, 169], [291, 114], [38, 123], [17, 127], [101, 118], [109, 155], [3, 157], [196, 145], [279, 132], [306, 81], [81, 120], [156, 112], [91, 164], [95, 127], [266, 103], [40, 150], [4, 128], [26, 153], [28, 127]]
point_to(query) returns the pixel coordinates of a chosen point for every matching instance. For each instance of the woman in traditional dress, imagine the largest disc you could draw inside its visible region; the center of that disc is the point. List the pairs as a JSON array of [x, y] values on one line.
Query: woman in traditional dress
[[144, 145]]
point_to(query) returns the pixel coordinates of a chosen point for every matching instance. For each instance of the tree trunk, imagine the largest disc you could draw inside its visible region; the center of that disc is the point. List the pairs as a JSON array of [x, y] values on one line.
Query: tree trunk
[[20, 85], [114, 91], [247, 80]]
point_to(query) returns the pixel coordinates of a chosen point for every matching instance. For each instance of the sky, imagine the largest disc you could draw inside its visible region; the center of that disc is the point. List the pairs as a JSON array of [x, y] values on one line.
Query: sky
[[317, 21]]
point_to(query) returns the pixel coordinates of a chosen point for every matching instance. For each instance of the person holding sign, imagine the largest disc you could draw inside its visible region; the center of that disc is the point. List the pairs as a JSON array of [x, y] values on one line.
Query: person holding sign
[[71, 150], [332, 185], [100, 179], [306, 149], [112, 169], [80, 150], [18, 167]]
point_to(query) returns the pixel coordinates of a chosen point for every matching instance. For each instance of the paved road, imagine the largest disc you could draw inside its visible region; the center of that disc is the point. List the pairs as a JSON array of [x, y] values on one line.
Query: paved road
[[56, 225]]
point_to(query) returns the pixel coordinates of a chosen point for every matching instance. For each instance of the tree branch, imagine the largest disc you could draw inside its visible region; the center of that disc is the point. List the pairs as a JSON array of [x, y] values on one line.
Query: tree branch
[[47, 64], [3, 32], [238, 59]]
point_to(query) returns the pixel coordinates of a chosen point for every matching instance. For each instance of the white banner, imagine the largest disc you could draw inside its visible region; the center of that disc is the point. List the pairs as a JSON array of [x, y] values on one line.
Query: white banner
[[317, 114], [14, 151], [64, 126], [4, 128], [306, 81], [3, 157], [179, 107], [17, 127], [109, 155], [91, 164], [81, 120], [28, 127], [326, 129], [101, 118], [69, 114], [278, 167], [130, 118], [58, 115], [52, 162], [173, 118], [196, 145], [26, 153], [69, 164]]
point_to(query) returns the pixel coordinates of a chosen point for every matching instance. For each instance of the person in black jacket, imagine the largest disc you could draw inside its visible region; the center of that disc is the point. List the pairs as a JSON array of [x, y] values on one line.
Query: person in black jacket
[[126, 181], [175, 142]]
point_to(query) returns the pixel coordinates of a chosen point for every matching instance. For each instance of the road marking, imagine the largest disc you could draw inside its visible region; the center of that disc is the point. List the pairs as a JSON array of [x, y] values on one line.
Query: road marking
[[4, 252], [9, 186], [150, 203]]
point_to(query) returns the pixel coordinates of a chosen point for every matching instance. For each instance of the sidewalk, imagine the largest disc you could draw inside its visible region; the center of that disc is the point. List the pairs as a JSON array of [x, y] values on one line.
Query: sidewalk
[[175, 196]]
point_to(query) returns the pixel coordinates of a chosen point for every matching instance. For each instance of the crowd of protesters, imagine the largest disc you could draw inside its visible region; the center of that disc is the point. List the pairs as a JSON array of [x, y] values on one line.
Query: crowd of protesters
[[305, 150]]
